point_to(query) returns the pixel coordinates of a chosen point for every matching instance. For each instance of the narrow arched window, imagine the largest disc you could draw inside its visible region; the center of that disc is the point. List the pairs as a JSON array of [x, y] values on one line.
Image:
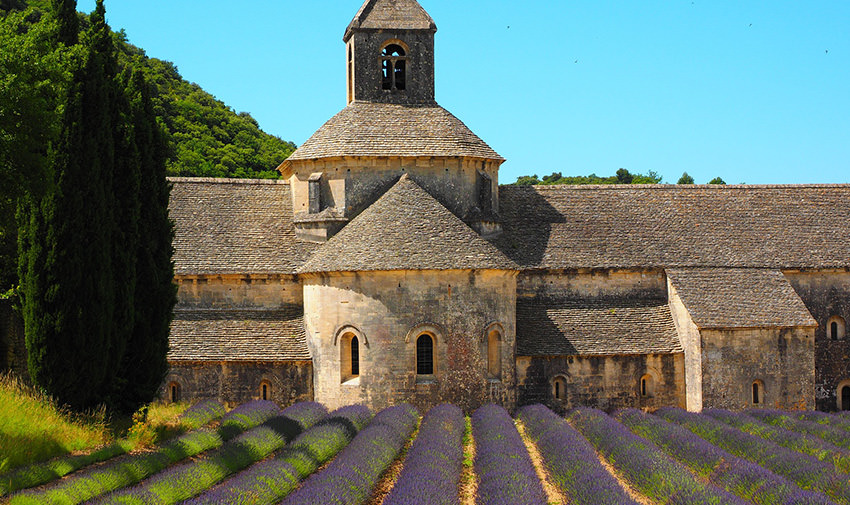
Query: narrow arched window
[[393, 67], [758, 393], [355, 356], [559, 388], [833, 330], [265, 390], [174, 392], [494, 355], [836, 328], [845, 398], [424, 355], [647, 386]]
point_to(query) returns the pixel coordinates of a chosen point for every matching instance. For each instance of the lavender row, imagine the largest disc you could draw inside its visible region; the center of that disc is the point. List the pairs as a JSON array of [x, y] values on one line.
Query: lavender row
[[571, 460], [269, 481], [504, 469], [184, 481], [643, 464], [349, 479], [822, 418], [831, 434], [799, 442], [122, 472], [736, 475], [247, 416], [201, 413], [805, 471], [432, 468]]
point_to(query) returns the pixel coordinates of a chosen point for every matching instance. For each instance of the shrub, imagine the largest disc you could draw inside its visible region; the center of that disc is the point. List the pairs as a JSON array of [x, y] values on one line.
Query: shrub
[[201, 414]]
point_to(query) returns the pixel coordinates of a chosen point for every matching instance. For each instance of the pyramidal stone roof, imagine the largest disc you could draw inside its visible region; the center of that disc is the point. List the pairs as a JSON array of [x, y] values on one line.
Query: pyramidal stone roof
[[406, 229], [390, 15], [384, 129]]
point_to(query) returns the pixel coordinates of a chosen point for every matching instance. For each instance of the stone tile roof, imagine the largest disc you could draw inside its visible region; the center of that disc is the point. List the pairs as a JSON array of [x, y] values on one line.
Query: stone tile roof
[[384, 129], [390, 15], [594, 327], [234, 226], [739, 298], [406, 229], [238, 335], [673, 226]]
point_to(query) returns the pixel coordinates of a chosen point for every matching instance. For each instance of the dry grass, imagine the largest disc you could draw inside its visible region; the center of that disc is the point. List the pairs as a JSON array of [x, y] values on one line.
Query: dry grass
[[34, 428], [468, 481], [553, 494]]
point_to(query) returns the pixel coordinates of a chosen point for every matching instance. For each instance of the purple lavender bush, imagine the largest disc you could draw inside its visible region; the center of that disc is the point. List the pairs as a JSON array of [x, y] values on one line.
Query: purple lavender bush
[[799, 424], [432, 469], [805, 471], [643, 464], [505, 472], [807, 444], [571, 460], [823, 418], [184, 481], [269, 481], [738, 476], [246, 416], [350, 477], [121, 472], [201, 413]]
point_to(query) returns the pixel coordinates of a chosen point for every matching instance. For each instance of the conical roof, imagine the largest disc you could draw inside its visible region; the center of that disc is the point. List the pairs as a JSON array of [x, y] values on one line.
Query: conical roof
[[406, 229], [390, 15]]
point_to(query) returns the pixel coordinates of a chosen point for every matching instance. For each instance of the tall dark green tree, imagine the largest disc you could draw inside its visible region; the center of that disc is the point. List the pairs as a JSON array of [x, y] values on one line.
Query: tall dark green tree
[[68, 283], [155, 293], [69, 23]]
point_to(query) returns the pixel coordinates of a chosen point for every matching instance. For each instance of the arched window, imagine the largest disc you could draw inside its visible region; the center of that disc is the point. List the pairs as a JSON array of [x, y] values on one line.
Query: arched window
[[265, 390], [174, 392], [393, 67], [836, 328], [349, 356], [647, 386], [845, 398], [559, 388], [758, 393], [494, 354], [425, 355]]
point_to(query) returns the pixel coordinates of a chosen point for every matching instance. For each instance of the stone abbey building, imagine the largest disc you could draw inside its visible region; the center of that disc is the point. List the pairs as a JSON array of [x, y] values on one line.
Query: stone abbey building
[[388, 266]]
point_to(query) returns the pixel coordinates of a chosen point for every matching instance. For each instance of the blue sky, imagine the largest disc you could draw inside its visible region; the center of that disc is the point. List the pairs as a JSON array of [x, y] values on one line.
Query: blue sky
[[751, 91]]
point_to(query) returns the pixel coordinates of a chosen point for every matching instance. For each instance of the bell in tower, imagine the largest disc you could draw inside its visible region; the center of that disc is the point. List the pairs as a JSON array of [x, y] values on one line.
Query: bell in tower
[[390, 46]]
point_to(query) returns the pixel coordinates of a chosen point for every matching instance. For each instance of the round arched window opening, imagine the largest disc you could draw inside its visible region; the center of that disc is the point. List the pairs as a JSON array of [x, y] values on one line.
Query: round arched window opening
[[349, 356], [844, 397], [836, 328], [494, 354], [393, 67], [265, 390], [559, 388], [425, 355], [647, 386]]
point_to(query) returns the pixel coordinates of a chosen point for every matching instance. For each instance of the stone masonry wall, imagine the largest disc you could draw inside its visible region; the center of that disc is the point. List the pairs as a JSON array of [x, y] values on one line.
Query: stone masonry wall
[[782, 359], [593, 283], [827, 294], [690, 338], [366, 48], [605, 382], [238, 291], [234, 383], [389, 310]]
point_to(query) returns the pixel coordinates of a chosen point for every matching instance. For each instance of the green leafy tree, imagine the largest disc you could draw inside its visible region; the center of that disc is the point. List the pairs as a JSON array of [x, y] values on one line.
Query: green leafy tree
[[685, 179], [624, 176], [527, 180], [717, 180]]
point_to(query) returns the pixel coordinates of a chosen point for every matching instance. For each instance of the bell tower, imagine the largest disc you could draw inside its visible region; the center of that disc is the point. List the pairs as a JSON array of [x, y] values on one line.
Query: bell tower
[[390, 53]]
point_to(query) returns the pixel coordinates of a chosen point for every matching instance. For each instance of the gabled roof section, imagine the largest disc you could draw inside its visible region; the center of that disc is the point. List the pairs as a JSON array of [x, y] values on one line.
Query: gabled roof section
[[406, 229], [234, 226], [595, 327], [238, 335], [663, 226], [390, 15], [739, 298], [384, 129]]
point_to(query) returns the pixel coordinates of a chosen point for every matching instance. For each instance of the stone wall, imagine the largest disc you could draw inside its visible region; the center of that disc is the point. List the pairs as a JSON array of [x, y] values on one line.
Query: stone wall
[[783, 359], [388, 311], [826, 294], [593, 283], [238, 291], [605, 382], [690, 338], [234, 383], [13, 349]]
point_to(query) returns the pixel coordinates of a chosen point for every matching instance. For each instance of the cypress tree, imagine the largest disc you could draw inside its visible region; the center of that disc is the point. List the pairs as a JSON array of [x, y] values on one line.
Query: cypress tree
[[155, 292], [69, 295], [69, 23]]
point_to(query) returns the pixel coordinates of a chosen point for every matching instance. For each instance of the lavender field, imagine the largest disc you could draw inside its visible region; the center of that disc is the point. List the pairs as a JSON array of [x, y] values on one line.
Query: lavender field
[[259, 453]]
